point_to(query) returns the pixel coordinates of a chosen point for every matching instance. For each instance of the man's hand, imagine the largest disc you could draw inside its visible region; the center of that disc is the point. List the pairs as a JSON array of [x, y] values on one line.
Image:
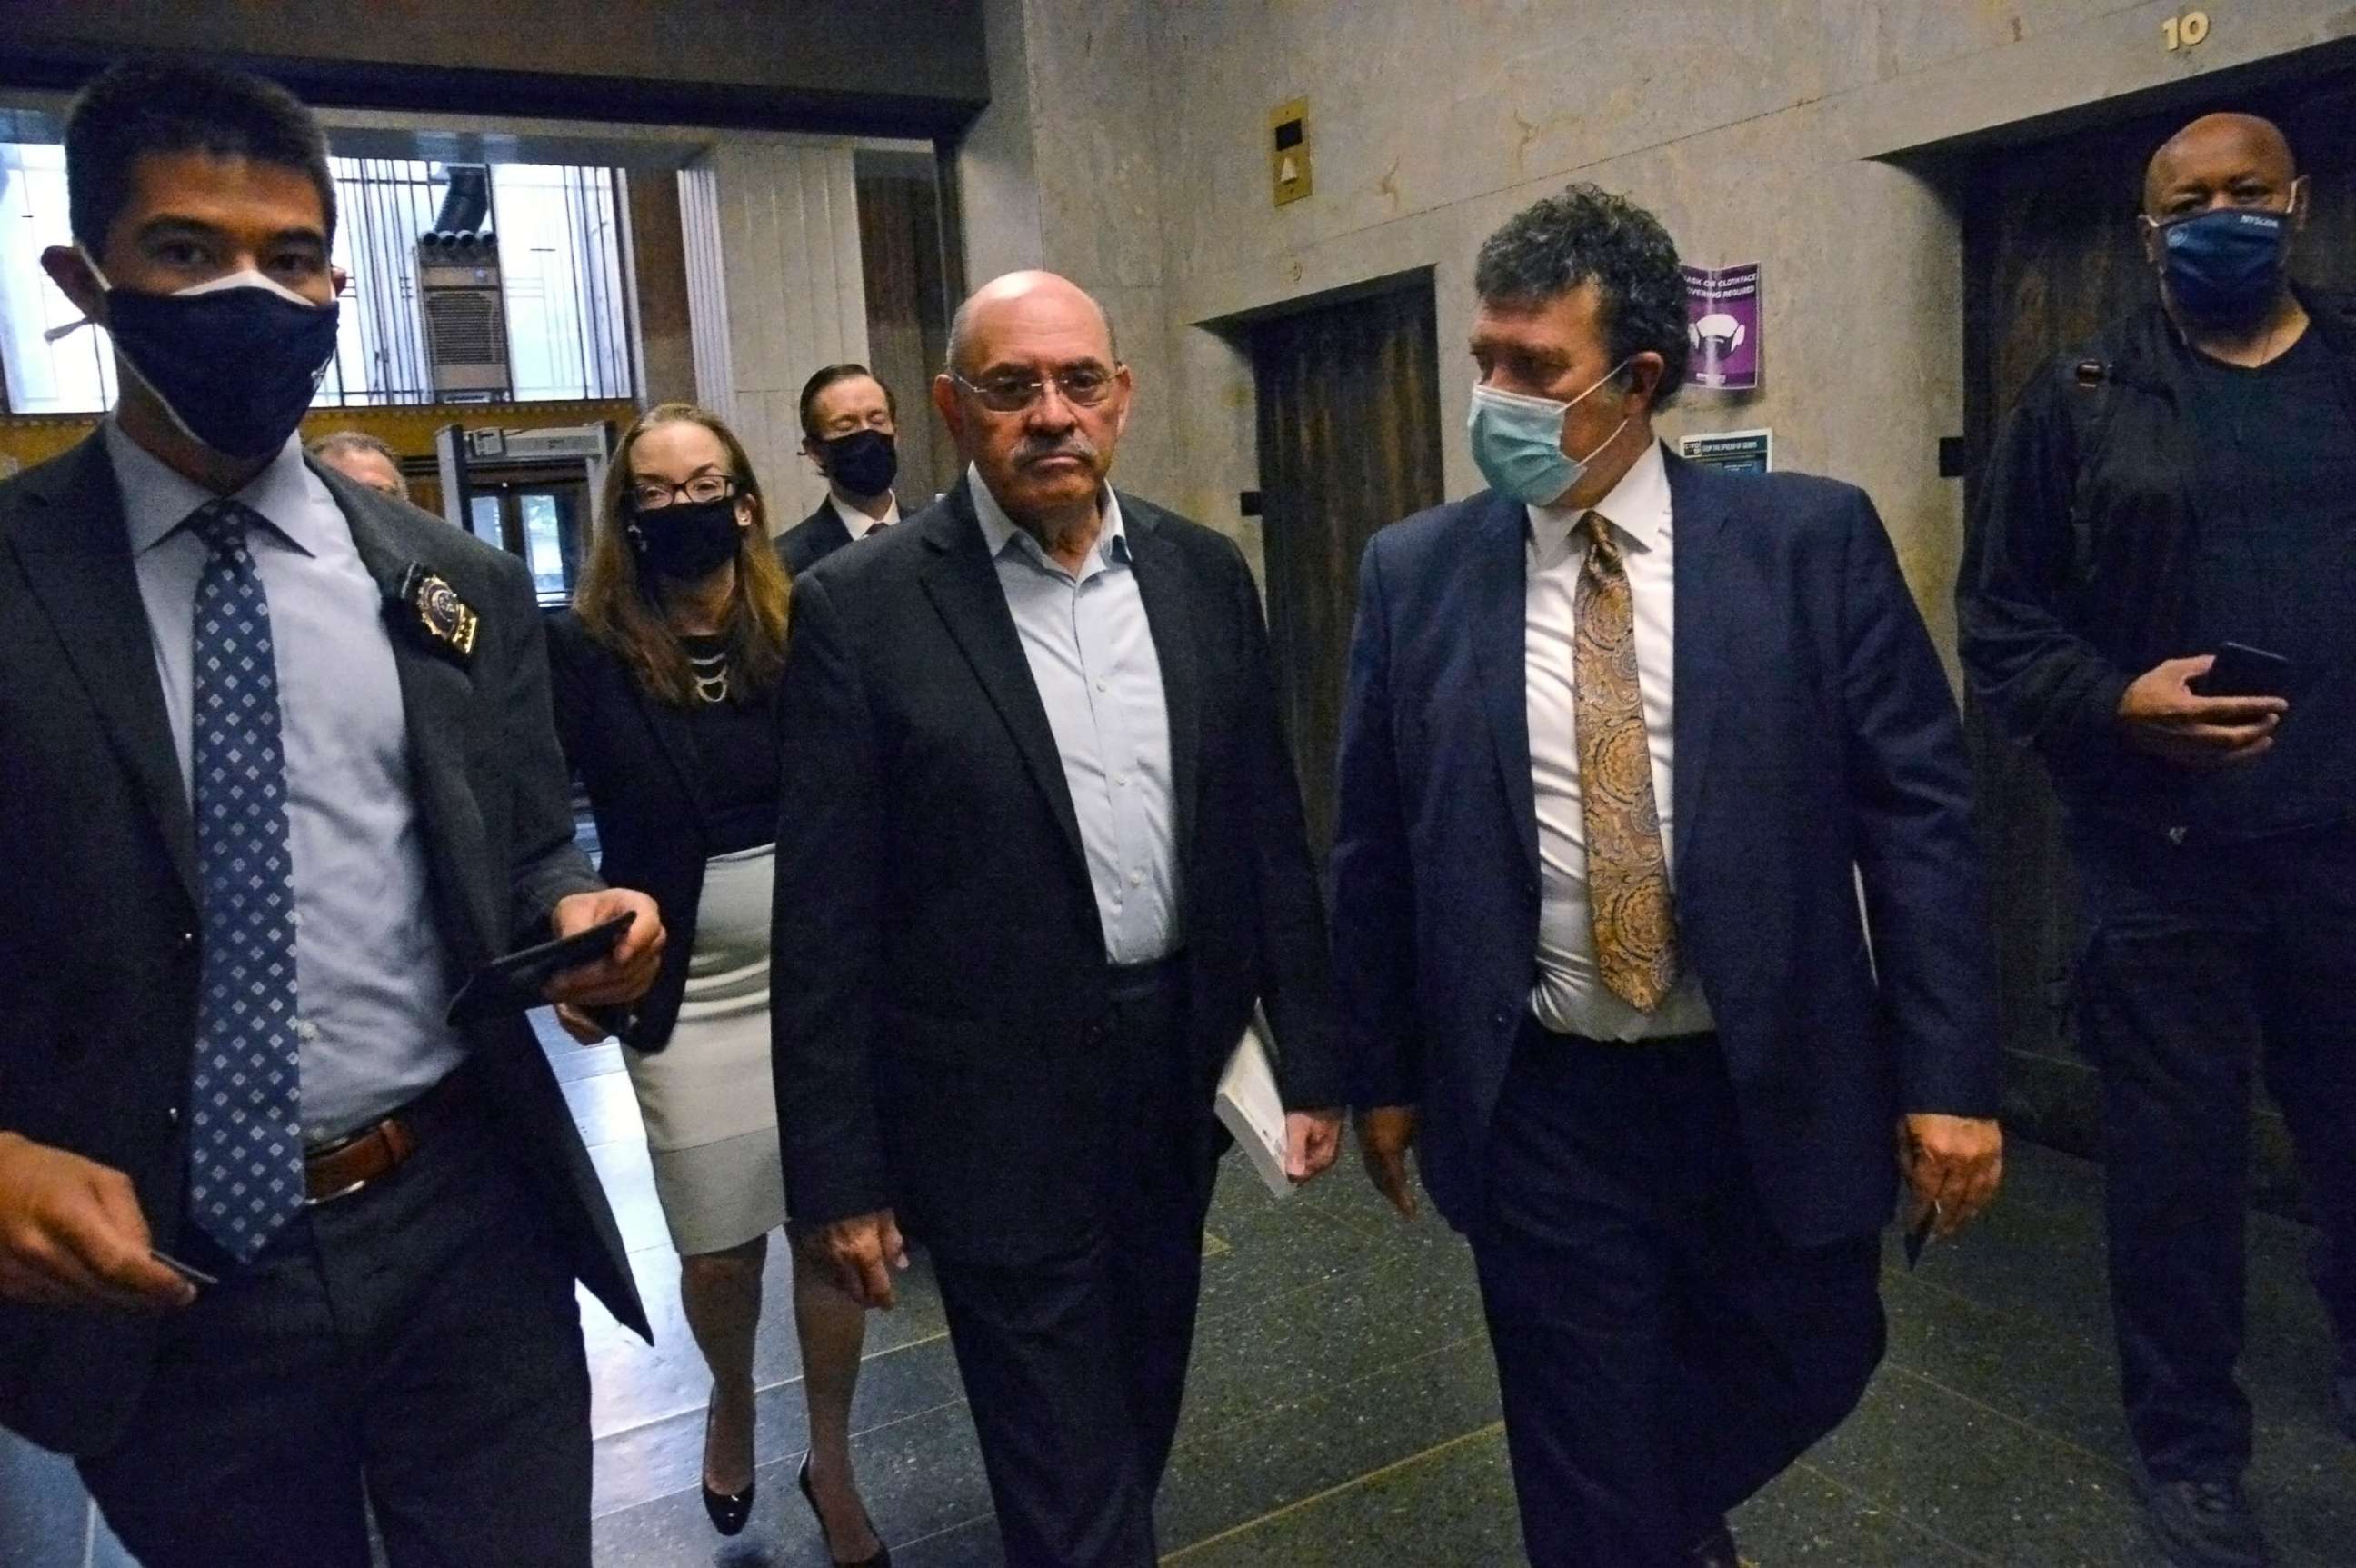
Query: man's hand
[[623, 975], [866, 1249], [2161, 716], [1385, 1134], [1952, 1162], [72, 1235], [1311, 1139]]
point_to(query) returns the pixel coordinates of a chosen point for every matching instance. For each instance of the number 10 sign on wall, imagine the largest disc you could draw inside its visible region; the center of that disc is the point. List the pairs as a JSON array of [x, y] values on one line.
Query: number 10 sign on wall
[[1722, 322]]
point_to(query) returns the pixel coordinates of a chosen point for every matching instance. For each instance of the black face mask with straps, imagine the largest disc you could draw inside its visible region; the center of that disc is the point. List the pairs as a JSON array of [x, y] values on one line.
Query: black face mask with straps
[[865, 463], [687, 540]]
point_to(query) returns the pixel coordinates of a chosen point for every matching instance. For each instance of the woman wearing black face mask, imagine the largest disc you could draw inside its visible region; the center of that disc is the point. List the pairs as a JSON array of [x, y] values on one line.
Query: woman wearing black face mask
[[663, 674]]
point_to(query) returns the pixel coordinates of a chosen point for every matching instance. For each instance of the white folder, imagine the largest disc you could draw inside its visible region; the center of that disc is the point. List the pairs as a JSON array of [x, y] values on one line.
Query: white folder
[[1251, 1108]]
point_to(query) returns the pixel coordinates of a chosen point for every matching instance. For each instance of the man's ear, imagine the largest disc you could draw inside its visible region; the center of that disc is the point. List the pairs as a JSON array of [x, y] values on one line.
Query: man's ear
[[1128, 400], [75, 280], [1644, 372]]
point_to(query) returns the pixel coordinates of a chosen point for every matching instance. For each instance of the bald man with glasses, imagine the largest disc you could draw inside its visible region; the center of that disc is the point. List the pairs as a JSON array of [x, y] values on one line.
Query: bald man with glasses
[[1045, 853]]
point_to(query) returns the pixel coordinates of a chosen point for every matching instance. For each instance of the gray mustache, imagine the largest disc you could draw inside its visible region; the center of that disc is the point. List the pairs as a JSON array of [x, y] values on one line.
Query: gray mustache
[[1067, 447]]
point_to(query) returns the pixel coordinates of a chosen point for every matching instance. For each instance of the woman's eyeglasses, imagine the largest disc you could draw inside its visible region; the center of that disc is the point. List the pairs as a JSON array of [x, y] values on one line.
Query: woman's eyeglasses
[[653, 495]]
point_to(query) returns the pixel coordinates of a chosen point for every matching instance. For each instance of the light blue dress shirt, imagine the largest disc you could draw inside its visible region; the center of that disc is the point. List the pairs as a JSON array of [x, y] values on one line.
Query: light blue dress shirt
[[372, 980], [1092, 658]]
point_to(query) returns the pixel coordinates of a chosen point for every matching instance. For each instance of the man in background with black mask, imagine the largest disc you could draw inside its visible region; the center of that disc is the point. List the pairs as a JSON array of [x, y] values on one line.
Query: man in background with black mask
[[280, 1246], [848, 432], [2163, 502]]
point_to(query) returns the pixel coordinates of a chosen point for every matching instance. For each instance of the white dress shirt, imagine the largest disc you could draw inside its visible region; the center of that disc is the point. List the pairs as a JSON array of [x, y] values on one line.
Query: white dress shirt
[[371, 978], [1571, 998], [1092, 656], [858, 522]]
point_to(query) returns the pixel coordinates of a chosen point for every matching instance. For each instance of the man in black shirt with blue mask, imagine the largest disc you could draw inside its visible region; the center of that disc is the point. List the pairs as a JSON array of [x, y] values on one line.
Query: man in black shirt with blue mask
[[2163, 502]]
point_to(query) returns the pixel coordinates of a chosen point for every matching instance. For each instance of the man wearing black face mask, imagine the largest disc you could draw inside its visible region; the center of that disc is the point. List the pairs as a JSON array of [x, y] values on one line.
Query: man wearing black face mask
[[2177, 485], [848, 432], [280, 1246]]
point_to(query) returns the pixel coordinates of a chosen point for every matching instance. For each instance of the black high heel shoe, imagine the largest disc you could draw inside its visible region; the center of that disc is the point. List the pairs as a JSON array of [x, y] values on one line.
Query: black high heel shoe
[[728, 1511], [882, 1558]]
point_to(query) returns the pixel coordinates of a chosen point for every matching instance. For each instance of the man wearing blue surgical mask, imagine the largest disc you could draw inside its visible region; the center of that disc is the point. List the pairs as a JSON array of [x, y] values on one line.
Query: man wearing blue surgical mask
[[283, 1248], [1624, 739], [2164, 500]]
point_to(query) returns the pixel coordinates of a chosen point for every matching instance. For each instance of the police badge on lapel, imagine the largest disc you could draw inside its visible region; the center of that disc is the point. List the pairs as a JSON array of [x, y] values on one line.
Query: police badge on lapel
[[434, 613]]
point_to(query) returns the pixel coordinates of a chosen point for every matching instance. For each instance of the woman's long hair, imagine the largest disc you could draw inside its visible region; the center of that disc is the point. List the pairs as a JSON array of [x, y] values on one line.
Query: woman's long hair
[[618, 600]]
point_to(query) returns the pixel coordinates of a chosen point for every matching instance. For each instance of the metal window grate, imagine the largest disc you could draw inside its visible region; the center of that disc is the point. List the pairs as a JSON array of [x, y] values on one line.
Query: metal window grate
[[465, 328]]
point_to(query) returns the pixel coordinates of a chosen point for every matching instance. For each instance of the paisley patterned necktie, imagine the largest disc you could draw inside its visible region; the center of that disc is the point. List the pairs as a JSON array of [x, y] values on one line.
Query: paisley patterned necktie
[[1627, 870]]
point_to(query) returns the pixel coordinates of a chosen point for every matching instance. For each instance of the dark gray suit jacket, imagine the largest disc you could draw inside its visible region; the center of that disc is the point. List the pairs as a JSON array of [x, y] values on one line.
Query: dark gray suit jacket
[[939, 994], [98, 909], [811, 540]]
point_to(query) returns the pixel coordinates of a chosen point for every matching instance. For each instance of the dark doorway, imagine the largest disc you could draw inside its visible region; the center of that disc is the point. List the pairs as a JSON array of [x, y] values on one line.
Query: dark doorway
[[908, 266], [2051, 255], [1349, 441]]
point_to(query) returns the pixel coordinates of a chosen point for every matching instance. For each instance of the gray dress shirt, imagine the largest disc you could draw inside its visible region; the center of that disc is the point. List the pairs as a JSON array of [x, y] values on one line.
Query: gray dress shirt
[[1092, 658], [371, 978]]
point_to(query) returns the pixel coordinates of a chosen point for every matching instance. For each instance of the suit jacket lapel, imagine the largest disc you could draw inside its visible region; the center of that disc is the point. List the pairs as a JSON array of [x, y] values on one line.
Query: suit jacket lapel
[[833, 533], [1698, 512], [76, 551], [962, 582], [1161, 584], [1499, 573], [436, 696]]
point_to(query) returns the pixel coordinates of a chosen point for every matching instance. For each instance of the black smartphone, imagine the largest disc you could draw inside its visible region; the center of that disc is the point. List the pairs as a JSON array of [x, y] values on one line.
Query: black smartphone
[[513, 983], [2242, 671]]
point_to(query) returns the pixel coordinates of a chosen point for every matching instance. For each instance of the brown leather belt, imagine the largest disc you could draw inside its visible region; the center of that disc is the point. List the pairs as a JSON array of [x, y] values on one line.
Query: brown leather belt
[[343, 1167]]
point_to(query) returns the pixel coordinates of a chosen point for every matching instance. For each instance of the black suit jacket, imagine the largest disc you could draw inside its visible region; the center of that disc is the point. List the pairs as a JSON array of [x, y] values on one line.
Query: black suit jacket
[[939, 976], [811, 540], [647, 790], [99, 914], [1818, 757]]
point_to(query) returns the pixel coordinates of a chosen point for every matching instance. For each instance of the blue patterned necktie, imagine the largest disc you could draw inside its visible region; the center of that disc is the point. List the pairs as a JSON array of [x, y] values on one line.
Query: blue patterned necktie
[[245, 1149]]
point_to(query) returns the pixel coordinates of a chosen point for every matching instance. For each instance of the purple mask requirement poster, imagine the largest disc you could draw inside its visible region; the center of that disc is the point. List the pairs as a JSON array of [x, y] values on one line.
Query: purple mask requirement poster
[[1722, 323]]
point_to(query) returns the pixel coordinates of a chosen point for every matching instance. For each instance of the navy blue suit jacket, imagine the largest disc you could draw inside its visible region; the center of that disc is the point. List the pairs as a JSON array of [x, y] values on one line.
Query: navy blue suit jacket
[[1817, 751]]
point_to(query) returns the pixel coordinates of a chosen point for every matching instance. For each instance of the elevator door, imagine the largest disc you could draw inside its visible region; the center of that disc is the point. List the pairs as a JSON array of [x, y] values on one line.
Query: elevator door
[[1349, 441]]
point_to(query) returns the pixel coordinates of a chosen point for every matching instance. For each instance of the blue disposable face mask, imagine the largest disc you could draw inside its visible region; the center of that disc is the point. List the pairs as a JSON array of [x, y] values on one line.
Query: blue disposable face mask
[[234, 361], [2225, 265], [1517, 441]]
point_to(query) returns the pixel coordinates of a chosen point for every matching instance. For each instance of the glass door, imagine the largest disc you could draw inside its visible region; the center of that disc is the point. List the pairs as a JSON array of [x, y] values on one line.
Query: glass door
[[543, 521]]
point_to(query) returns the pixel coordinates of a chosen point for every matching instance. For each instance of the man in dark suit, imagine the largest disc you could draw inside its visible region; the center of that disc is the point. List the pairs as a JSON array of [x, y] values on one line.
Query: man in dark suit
[[1043, 851], [850, 432], [279, 769], [1625, 740]]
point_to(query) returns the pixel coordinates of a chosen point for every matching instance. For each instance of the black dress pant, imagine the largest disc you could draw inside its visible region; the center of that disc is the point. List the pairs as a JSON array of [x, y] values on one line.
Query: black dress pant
[[1662, 1353], [2203, 962], [413, 1349], [1075, 1366]]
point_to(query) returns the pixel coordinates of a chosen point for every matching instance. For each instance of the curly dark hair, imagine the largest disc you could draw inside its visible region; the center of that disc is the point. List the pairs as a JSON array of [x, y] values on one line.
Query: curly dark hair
[[1587, 233]]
